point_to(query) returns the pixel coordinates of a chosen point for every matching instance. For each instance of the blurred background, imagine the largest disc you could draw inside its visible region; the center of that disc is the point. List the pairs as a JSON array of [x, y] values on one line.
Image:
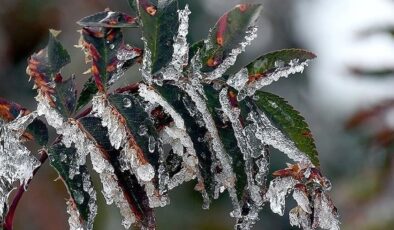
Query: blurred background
[[346, 95]]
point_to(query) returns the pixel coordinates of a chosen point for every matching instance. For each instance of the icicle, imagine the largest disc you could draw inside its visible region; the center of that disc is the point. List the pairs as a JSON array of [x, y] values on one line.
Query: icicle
[[251, 34], [277, 191], [294, 66], [325, 215], [302, 200], [146, 68], [16, 162], [180, 57], [299, 218]]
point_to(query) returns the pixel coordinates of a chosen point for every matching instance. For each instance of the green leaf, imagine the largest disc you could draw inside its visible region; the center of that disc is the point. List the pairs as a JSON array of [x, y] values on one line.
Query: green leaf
[[88, 91], [66, 97], [135, 193], [228, 32], [289, 121], [57, 57], [269, 62], [60, 159], [180, 101], [108, 19], [195, 48], [39, 131], [159, 26]]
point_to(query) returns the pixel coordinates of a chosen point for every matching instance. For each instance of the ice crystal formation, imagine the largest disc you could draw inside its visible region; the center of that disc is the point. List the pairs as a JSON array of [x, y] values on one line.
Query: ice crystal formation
[[188, 119]]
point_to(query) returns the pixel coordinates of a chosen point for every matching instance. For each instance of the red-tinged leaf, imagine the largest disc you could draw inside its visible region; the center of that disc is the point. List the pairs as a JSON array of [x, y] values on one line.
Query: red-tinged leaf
[[102, 46], [364, 116], [108, 19], [228, 33], [44, 66]]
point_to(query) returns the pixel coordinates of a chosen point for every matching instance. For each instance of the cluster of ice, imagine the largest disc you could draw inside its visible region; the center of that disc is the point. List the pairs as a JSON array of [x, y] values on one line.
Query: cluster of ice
[[325, 215], [229, 61], [70, 131], [16, 162]]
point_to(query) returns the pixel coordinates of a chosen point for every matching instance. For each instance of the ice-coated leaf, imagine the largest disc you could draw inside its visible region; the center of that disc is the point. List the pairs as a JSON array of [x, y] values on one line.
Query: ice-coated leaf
[[228, 34], [79, 187], [108, 19], [37, 130], [159, 24], [289, 121], [269, 68], [107, 164], [123, 114], [101, 46], [184, 106]]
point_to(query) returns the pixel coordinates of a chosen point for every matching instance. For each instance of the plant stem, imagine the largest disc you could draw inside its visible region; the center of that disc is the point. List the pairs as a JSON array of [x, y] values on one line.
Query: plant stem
[[9, 219]]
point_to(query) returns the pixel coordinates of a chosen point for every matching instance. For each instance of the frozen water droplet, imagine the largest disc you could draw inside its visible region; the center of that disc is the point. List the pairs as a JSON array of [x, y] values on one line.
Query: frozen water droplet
[[142, 130], [146, 172], [112, 46], [127, 103]]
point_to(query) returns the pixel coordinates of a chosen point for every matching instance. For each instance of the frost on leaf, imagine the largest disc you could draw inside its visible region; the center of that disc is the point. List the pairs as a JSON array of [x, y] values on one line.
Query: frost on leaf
[[16, 162], [269, 68]]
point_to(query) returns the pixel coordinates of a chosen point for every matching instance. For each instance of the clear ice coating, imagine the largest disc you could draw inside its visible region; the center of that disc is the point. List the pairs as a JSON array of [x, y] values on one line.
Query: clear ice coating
[[240, 80], [16, 162], [251, 34], [277, 192]]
